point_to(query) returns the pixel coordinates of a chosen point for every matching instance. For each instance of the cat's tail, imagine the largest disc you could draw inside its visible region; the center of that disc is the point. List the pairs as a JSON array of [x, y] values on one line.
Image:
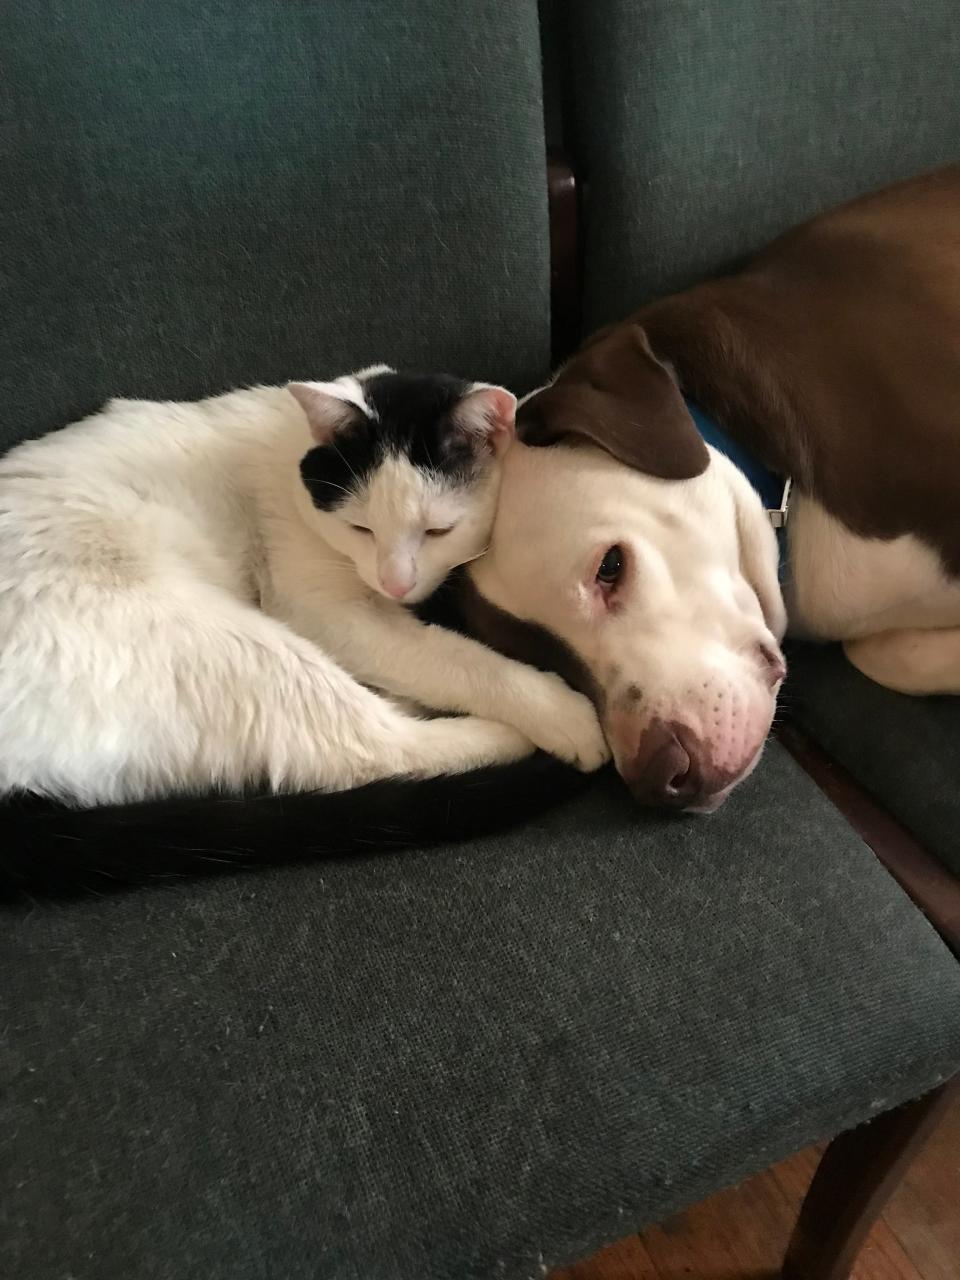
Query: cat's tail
[[48, 849]]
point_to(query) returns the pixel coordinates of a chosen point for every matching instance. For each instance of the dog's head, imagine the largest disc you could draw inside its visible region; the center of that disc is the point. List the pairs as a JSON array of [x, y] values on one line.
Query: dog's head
[[641, 565]]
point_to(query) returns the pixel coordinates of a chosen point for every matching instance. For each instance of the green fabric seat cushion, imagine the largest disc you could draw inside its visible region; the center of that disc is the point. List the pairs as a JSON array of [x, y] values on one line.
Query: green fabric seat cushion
[[904, 750], [475, 1062], [198, 196], [703, 130]]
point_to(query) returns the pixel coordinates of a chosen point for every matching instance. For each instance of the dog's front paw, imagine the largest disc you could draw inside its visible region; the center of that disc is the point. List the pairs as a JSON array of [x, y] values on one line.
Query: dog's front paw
[[566, 725]]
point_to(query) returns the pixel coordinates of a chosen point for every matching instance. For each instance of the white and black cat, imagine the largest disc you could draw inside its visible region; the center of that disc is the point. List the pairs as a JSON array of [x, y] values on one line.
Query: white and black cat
[[204, 597]]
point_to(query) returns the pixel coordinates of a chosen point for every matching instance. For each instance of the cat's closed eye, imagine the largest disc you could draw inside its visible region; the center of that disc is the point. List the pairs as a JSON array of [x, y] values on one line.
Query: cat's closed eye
[[438, 533], [361, 528]]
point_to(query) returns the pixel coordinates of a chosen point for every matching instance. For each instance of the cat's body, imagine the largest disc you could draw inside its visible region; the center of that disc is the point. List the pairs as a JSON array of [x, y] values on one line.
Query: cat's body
[[175, 616]]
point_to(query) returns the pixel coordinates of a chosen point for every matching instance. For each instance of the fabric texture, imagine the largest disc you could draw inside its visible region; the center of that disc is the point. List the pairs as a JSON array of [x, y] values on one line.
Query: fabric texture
[[198, 196], [703, 129], [474, 1063], [904, 750]]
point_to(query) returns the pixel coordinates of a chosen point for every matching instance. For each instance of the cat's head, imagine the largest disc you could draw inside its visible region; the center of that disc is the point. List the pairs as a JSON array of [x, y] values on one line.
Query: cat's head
[[404, 473]]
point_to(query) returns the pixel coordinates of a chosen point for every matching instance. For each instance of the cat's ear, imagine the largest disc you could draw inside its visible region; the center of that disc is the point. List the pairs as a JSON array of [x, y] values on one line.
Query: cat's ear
[[329, 406], [489, 413]]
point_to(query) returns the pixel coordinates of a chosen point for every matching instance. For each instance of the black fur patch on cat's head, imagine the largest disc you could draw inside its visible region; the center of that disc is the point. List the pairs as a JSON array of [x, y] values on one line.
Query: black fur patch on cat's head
[[412, 417]]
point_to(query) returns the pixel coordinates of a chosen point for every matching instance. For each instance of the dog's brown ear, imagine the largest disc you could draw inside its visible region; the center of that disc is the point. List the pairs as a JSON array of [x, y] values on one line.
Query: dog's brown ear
[[615, 393]]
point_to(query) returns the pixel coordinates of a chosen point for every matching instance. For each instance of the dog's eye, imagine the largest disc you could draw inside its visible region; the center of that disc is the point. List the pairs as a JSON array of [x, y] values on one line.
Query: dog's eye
[[438, 533], [611, 567], [361, 528]]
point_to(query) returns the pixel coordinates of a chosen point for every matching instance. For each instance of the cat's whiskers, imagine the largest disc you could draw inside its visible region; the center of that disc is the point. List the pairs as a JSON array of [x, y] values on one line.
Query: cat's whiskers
[[330, 485], [336, 449]]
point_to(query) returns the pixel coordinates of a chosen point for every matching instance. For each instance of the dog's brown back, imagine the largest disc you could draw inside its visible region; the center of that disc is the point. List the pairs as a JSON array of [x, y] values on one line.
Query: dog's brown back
[[835, 355]]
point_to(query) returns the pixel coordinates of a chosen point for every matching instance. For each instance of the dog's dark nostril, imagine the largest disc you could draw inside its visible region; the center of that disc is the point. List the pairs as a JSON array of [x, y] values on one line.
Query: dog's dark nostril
[[675, 786], [672, 775], [665, 769], [775, 668]]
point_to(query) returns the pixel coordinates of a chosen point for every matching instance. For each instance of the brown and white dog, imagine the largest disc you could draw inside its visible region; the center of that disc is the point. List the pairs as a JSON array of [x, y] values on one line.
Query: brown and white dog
[[639, 562]]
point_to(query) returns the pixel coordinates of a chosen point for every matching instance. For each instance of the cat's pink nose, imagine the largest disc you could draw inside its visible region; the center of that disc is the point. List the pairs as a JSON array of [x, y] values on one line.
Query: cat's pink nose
[[397, 572], [397, 585]]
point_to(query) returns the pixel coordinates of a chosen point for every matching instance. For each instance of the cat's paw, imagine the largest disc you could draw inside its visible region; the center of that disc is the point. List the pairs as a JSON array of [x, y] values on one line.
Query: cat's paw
[[565, 724], [469, 742], [496, 743]]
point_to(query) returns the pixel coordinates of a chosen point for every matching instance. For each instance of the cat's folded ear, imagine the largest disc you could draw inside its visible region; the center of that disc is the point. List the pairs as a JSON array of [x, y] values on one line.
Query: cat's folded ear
[[329, 406], [490, 413]]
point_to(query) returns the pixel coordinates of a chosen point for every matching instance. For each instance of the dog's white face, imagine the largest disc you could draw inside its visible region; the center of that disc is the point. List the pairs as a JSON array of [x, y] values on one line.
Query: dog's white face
[[665, 591]]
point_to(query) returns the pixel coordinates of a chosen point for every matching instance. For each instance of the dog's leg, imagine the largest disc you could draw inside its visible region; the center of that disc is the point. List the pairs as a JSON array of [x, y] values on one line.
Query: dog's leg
[[910, 661]]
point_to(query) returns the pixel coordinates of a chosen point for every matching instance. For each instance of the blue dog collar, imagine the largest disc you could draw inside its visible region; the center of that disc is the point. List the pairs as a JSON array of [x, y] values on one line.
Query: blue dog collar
[[774, 490]]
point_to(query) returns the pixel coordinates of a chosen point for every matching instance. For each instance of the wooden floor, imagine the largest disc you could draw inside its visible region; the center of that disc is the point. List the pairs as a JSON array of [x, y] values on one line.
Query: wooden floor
[[741, 1234]]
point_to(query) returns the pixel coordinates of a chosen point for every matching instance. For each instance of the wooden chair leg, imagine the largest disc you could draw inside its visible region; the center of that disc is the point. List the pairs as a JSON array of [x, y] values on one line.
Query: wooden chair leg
[[856, 1176]]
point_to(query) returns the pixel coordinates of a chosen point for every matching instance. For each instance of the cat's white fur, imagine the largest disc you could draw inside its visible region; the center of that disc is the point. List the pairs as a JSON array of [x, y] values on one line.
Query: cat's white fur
[[175, 614]]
